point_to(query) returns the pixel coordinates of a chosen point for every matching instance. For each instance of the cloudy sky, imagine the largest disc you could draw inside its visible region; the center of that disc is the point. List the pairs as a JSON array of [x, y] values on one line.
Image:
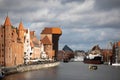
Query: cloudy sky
[[84, 23]]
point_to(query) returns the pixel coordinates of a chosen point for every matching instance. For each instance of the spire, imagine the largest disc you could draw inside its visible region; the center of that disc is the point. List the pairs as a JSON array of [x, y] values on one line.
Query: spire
[[7, 22], [21, 26]]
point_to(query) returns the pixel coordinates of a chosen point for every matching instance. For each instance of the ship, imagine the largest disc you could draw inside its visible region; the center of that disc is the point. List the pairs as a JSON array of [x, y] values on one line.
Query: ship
[[94, 60], [94, 56]]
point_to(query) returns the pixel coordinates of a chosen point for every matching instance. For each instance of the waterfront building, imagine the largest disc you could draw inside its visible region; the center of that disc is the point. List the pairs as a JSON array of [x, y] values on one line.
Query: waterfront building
[[79, 55], [36, 46], [107, 55], [49, 38], [65, 54], [20, 46], [27, 47], [116, 52], [11, 44]]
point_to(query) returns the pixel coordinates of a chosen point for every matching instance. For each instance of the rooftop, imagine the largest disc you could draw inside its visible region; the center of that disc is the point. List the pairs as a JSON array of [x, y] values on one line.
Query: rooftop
[[53, 30]]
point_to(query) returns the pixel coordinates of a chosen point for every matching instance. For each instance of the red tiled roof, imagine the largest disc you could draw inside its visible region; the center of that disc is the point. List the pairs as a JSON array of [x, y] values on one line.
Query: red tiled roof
[[7, 22], [53, 30], [46, 40]]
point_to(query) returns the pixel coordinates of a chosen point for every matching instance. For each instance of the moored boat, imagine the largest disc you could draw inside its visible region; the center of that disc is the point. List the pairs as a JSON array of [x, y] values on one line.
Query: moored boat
[[1, 74], [95, 60], [94, 56]]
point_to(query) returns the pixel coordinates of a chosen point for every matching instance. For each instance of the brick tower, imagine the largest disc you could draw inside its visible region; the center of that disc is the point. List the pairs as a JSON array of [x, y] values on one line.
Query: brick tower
[[11, 46], [50, 38], [7, 41]]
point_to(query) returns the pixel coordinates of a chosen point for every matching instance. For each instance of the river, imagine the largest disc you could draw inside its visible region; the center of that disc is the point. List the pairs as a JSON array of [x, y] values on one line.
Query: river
[[70, 71]]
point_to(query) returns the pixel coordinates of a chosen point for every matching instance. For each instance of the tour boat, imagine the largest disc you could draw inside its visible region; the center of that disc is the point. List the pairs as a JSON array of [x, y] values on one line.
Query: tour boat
[[93, 59]]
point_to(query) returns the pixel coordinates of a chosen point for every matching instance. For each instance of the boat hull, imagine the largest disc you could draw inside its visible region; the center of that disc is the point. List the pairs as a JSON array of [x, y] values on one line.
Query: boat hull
[[88, 61]]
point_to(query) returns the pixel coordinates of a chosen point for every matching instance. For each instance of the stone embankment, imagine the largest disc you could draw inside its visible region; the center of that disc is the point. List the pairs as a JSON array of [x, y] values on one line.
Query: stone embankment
[[25, 68]]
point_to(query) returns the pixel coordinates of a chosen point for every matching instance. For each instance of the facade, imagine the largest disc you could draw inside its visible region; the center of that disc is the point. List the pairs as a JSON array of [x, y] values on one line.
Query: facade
[[27, 47], [20, 46], [116, 52], [50, 38], [35, 46], [11, 44], [107, 55]]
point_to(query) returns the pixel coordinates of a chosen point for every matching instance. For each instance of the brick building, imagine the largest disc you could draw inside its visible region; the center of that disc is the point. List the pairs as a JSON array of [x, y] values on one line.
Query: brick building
[[11, 44], [19, 45], [116, 52], [50, 38], [107, 55], [35, 45]]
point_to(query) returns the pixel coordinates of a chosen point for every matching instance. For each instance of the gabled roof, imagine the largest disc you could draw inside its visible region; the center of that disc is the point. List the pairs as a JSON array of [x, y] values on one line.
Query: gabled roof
[[96, 47], [7, 22], [21, 27], [67, 48], [53, 30], [46, 40]]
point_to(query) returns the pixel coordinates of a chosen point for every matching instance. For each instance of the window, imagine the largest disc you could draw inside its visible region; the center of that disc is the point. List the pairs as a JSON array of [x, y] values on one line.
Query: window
[[2, 45], [12, 34], [2, 55], [1, 35]]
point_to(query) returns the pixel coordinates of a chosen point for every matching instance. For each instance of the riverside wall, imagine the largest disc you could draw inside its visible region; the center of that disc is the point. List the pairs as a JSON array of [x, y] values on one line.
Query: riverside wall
[[25, 68]]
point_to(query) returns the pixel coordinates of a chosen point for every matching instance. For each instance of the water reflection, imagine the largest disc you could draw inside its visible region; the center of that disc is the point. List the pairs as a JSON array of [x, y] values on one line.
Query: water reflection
[[70, 71]]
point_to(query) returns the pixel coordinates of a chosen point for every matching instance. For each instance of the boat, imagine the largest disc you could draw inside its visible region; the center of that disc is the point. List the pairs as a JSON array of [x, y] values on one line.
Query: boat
[[94, 56], [1, 74], [93, 59], [96, 60], [93, 67]]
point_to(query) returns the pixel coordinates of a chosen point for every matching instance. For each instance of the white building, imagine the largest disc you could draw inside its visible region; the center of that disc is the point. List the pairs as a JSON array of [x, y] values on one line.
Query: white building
[[27, 48]]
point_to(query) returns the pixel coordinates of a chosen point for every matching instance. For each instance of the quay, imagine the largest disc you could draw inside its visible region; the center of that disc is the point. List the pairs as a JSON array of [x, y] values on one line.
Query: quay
[[24, 68]]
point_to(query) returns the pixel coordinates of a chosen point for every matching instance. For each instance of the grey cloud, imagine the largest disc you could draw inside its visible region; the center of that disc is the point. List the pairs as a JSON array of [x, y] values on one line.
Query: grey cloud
[[107, 4], [69, 1], [63, 13]]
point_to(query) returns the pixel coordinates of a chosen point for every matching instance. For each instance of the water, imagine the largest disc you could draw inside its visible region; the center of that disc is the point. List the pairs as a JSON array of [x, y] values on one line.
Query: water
[[70, 71]]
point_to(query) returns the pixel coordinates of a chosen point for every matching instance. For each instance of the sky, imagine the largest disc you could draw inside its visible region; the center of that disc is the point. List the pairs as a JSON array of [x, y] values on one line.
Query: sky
[[84, 23]]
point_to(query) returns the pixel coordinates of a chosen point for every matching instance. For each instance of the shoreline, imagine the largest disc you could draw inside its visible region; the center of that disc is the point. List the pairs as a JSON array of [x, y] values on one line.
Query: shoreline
[[25, 68]]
